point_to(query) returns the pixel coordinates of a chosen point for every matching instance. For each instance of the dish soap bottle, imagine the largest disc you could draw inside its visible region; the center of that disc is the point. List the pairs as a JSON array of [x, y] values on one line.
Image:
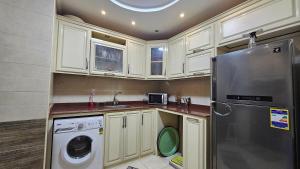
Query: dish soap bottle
[[91, 99]]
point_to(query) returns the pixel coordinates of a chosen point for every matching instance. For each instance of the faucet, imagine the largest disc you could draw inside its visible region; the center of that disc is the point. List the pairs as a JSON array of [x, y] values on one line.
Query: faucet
[[115, 101]]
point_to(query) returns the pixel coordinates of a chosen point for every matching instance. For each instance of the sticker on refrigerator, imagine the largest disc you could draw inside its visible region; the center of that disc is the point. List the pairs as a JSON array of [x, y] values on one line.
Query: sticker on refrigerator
[[279, 118]]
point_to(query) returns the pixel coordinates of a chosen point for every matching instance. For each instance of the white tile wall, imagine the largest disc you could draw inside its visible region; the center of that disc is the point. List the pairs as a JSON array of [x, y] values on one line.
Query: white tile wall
[[25, 55]]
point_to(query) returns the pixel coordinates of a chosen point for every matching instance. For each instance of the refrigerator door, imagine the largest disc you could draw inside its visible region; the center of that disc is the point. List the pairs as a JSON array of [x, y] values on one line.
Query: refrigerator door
[[260, 76], [243, 139]]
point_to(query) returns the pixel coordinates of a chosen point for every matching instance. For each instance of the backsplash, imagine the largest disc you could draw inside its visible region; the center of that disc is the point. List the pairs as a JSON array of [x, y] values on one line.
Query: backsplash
[[197, 88], [74, 88]]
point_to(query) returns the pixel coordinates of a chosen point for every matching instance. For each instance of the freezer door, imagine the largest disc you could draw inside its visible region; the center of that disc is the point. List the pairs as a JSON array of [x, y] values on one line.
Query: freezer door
[[261, 75], [243, 139]]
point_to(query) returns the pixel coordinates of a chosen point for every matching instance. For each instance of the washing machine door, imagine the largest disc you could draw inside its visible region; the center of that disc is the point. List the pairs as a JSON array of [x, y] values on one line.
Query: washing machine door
[[78, 150]]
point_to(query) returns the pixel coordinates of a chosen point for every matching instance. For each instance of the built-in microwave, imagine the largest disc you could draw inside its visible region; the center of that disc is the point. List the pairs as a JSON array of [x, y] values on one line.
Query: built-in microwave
[[158, 98]]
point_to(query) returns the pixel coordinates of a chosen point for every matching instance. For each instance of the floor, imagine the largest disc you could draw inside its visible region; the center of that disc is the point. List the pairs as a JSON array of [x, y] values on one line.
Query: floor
[[147, 162]]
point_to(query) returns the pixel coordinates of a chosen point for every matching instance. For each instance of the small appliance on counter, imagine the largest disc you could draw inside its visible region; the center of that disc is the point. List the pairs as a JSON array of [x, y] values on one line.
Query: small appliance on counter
[[158, 98]]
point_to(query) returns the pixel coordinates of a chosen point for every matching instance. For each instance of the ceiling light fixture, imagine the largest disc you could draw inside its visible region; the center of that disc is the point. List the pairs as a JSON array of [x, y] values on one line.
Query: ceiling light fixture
[[103, 12], [133, 23], [181, 15], [144, 5]]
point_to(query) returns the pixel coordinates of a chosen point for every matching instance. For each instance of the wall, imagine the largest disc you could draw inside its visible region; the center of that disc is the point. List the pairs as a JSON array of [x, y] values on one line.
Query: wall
[[74, 88], [25, 50], [197, 88]]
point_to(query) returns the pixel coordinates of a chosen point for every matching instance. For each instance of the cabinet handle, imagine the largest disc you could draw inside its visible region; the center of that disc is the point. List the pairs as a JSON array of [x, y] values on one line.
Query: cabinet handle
[[123, 125], [125, 121], [183, 65], [86, 64], [128, 68], [142, 119]]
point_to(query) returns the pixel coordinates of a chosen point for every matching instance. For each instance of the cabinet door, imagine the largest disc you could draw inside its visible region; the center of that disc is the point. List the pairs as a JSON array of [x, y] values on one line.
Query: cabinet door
[[107, 58], [147, 132], [132, 135], [267, 15], [201, 39], [136, 53], [73, 48], [156, 61], [199, 63], [194, 143], [176, 58], [114, 138]]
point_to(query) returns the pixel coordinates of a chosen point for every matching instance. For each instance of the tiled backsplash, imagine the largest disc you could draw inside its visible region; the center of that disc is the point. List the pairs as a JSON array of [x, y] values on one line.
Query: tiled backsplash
[[196, 88], [74, 88]]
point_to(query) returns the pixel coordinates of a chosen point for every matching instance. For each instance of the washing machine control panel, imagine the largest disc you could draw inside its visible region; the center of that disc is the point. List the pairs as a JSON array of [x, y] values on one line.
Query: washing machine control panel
[[78, 124]]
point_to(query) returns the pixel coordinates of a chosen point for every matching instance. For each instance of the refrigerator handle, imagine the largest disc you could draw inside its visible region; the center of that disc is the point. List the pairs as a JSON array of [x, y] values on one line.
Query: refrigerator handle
[[214, 79], [228, 109]]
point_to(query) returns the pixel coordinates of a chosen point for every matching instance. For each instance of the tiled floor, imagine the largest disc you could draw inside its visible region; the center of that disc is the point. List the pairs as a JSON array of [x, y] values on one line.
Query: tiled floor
[[148, 162]]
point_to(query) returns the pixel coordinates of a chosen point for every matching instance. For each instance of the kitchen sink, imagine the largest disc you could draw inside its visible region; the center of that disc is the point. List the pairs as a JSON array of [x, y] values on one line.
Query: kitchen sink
[[117, 106]]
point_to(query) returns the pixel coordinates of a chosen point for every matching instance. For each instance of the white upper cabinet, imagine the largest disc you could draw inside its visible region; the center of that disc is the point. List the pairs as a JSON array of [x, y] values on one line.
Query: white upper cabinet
[[107, 58], [198, 64], [265, 15], [200, 39], [73, 48], [136, 53], [156, 60], [176, 58]]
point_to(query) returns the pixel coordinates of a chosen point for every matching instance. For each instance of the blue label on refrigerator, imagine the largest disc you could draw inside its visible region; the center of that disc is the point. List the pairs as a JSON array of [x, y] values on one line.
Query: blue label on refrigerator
[[279, 118]]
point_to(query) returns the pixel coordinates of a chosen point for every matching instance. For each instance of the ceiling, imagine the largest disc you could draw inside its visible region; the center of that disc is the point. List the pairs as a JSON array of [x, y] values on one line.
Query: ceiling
[[167, 20]]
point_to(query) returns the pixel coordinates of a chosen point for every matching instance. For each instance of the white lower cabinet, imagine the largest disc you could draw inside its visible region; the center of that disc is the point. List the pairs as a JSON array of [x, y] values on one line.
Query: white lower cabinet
[[128, 135], [195, 148], [147, 133], [114, 136], [122, 137], [131, 135]]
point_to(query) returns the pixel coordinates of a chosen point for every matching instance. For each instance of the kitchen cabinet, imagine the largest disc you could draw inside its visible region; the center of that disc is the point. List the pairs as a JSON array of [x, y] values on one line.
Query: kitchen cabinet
[[114, 138], [194, 138], [147, 133], [198, 64], [122, 137], [200, 39], [156, 60], [131, 135], [176, 58], [264, 15], [72, 48], [107, 58], [136, 53]]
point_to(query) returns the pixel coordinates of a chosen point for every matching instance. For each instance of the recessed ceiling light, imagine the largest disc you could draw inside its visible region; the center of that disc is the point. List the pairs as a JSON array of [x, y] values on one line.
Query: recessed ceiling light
[[133, 23], [181, 15], [103, 12]]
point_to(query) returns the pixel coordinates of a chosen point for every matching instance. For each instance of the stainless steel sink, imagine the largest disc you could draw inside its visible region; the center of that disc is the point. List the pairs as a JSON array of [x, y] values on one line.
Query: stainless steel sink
[[117, 106]]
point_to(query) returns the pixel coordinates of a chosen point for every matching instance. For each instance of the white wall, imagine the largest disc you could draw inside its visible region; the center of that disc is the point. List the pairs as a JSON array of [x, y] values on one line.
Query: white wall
[[25, 55]]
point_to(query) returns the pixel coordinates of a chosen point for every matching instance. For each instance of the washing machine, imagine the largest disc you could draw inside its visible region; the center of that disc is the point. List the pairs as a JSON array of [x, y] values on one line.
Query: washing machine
[[78, 143]]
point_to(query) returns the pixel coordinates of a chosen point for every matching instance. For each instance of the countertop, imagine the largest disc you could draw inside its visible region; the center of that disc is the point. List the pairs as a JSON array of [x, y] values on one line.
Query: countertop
[[60, 109]]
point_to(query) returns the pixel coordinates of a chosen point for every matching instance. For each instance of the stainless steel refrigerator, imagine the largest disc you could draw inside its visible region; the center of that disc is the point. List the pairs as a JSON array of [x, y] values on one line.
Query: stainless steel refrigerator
[[255, 108]]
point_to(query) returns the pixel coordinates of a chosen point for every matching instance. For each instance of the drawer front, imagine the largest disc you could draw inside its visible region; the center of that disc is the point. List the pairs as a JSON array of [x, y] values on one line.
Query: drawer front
[[266, 15]]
